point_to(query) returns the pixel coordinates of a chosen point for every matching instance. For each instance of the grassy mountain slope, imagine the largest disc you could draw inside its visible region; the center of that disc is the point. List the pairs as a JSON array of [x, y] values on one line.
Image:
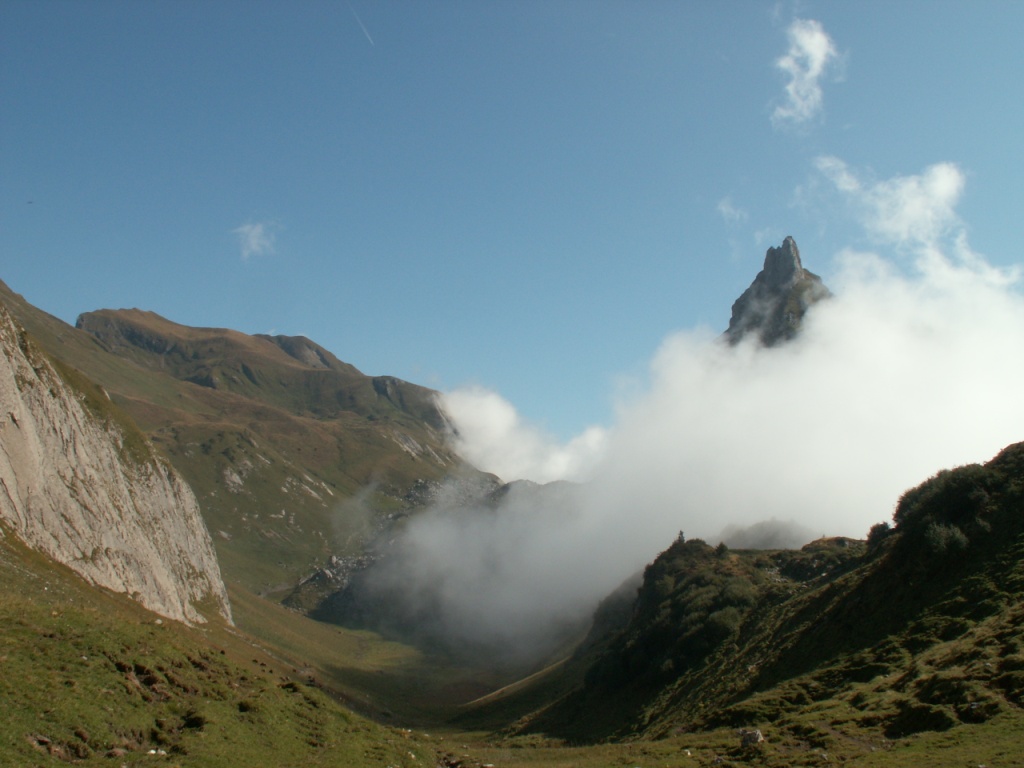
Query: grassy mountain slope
[[275, 435], [89, 676], [913, 638]]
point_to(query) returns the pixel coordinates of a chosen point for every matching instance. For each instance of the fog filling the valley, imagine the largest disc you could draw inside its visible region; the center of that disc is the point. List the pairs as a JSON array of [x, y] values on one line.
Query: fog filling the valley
[[914, 365]]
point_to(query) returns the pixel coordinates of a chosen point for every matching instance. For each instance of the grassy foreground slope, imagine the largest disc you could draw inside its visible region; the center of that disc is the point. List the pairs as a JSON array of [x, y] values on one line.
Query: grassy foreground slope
[[89, 676]]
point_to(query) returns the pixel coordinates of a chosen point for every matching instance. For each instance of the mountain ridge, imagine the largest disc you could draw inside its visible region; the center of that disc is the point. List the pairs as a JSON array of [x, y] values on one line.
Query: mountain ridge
[[258, 425]]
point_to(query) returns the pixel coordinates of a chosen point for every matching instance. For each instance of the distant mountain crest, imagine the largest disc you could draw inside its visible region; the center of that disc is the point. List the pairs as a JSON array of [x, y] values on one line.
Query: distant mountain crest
[[774, 305], [293, 454], [307, 352]]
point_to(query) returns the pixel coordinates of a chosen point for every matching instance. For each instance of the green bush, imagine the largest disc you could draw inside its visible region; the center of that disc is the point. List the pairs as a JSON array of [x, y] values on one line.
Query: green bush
[[724, 623], [878, 533], [941, 538], [953, 496]]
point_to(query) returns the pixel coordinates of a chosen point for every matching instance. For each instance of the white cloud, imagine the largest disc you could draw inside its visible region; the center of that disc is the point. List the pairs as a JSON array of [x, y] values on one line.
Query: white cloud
[[910, 211], [729, 212], [810, 53], [255, 239], [491, 435], [838, 173]]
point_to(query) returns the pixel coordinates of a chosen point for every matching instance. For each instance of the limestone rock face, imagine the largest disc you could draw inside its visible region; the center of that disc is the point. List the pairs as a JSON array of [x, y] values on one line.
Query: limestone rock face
[[72, 486], [774, 305]]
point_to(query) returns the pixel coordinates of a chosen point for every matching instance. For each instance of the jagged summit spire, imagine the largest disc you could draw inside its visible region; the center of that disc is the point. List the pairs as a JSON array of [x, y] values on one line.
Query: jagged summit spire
[[775, 303], [783, 263]]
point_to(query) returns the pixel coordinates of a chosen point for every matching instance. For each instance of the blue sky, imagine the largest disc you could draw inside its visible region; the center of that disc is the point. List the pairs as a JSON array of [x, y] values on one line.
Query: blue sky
[[525, 196]]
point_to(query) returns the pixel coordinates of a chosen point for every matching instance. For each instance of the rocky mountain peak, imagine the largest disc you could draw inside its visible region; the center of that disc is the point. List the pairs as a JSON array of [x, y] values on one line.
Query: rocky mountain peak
[[782, 264], [774, 305]]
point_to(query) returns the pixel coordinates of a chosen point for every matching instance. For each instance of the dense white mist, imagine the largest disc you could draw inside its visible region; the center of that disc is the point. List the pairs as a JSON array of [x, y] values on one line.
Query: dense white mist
[[491, 435], [891, 380], [914, 365], [501, 579]]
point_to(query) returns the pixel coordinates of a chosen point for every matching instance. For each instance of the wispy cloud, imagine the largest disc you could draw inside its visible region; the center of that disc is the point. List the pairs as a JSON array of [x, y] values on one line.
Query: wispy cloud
[[255, 239], [729, 212], [362, 26], [915, 210], [810, 53], [491, 434]]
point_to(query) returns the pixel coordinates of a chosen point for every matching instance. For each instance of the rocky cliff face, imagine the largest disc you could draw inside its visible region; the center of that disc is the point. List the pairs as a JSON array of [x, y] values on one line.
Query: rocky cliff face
[[774, 305], [91, 493]]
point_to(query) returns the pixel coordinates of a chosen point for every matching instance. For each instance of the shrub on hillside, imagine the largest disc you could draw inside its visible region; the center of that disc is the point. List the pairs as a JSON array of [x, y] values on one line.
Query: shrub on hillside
[[941, 538], [952, 497], [947, 513], [878, 533], [692, 600]]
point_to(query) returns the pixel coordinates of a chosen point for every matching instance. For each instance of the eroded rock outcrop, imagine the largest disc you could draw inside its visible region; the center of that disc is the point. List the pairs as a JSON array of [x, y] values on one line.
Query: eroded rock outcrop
[[91, 494], [773, 307]]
